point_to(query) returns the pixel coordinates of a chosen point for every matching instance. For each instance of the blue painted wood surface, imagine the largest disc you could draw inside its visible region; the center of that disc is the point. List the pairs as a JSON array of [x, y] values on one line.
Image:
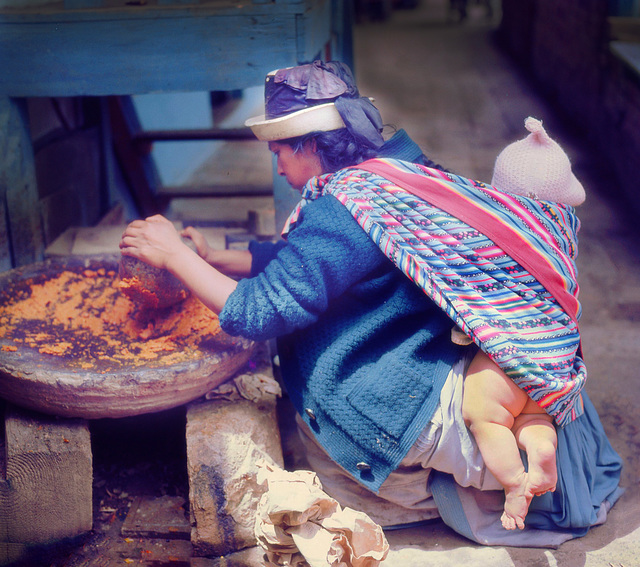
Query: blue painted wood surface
[[218, 45], [21, 239], [127, 47], [629, 53]]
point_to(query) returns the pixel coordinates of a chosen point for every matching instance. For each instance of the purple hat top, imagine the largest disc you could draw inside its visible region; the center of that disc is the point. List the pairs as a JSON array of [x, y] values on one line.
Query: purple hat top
[[297, 88]]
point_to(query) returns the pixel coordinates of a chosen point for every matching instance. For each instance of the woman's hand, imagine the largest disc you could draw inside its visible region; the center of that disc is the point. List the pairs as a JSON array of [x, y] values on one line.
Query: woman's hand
[[199, 241], [156, 241], [153, 240]]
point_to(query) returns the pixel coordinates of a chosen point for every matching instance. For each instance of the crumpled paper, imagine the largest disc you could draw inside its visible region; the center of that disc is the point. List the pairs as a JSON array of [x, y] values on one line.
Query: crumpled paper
[[255, 387], [299, 525]]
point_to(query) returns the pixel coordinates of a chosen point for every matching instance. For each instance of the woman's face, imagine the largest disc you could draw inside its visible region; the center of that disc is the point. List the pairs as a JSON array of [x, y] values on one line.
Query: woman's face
[[297, 167]]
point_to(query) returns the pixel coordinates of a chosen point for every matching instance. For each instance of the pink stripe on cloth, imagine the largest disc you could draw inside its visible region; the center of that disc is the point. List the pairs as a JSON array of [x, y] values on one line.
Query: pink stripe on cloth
[[443, 195]]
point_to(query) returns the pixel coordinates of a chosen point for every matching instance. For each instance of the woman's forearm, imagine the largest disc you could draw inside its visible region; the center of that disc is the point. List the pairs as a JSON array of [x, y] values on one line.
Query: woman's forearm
[[156, 242], [231, 262], [208, 284]]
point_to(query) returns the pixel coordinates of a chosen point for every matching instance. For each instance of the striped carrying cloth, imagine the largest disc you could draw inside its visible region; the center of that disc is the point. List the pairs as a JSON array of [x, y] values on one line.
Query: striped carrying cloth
[[501, 266]]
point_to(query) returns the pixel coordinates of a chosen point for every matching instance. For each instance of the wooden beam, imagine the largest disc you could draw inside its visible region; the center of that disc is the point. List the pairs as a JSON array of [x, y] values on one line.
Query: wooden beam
[[221, 191], [135, 161], [46, 488], [223, 45], [147, 136], [225, 439], [20, 226]]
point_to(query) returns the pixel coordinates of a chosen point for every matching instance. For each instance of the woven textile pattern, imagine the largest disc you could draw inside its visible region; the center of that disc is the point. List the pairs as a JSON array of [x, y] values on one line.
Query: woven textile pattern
[[529, 329]]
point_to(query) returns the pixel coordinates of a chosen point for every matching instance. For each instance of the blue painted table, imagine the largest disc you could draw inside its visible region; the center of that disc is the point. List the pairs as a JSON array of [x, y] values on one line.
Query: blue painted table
[[118, 47], [124, 47], [107, 47]]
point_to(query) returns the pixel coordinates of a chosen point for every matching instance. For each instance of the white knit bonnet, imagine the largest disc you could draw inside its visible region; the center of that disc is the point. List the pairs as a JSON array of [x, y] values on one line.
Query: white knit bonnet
[[537, 167]]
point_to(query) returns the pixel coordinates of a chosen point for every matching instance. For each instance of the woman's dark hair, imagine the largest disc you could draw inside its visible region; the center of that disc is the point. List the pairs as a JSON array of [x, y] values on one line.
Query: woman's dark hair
[[336, 149]]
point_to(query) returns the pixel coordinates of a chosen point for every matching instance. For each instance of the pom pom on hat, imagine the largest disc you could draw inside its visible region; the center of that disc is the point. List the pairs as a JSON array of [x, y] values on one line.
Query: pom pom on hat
[[537, 167]]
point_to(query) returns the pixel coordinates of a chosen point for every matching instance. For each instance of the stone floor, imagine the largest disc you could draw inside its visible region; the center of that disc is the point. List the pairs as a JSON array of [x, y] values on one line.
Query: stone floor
[[462, 100]]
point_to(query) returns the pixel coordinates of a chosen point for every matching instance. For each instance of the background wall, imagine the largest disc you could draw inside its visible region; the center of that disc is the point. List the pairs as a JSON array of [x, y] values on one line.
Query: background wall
[[566, 48]]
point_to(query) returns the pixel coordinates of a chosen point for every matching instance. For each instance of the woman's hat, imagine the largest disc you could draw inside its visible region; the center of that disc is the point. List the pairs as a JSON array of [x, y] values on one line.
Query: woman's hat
[[537, 167], [317, 97]]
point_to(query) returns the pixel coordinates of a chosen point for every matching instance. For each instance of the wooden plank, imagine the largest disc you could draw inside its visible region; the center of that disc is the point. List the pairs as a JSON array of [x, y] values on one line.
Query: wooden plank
[[161, 517], [629, 53], [342, 32], [250, 557], [225, 439], [625, 29], [136, 164], [147, 136], [114, 217], [262, 222], [59, 210], [5, 244], [125, 9], [105, 238], [79, 4], [46, 489], [314, 32], [140, 55], [219, 191], [71, 196], [62, 245], [98, 240], [19, 190]]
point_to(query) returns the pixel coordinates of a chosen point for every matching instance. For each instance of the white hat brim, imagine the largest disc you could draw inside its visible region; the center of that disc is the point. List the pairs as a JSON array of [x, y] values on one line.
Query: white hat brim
[[320, 118]]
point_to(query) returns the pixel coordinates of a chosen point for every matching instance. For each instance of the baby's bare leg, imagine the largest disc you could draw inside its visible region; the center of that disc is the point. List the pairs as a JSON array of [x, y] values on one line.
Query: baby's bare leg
[[490, 405], [535, 433]]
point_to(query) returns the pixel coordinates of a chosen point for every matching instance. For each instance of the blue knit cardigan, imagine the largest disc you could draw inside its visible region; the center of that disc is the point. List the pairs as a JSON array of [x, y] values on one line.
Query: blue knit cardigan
[[364, 353]]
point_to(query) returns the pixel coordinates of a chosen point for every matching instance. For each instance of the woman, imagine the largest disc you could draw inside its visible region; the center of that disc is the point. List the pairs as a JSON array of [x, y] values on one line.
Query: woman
[[366, 354]]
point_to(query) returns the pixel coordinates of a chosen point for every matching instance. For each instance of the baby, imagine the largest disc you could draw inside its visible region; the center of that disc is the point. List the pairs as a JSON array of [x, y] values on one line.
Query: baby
[[500, 415]]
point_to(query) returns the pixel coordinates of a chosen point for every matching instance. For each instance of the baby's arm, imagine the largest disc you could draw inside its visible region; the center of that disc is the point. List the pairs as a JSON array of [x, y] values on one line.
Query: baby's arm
[[157, 242]]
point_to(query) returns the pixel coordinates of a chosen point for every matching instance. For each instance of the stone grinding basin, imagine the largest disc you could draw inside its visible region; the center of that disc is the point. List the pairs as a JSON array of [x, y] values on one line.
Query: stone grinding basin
[[72, 344]]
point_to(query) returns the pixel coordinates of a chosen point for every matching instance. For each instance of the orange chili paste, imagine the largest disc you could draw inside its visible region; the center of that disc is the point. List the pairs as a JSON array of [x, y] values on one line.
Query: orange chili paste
[[142, 294], [83, 317]]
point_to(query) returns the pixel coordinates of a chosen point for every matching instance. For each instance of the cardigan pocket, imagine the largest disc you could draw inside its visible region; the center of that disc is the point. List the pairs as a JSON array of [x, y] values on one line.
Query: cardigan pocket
[[391, 400]]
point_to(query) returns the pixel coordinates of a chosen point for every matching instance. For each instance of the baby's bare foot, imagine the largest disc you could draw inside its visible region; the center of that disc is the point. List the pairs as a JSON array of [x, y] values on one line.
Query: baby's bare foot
[[543, 473], [541, 477], [516, 505], [515, 511]]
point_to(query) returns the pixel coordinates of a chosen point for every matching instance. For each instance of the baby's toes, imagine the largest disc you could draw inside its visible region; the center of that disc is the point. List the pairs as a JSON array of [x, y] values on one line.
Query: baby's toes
[[541, 492], [508, 523]]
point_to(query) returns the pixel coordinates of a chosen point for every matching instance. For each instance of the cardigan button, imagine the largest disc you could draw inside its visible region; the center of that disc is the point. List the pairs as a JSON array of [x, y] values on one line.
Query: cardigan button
[[363, 467], [309, 412]]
